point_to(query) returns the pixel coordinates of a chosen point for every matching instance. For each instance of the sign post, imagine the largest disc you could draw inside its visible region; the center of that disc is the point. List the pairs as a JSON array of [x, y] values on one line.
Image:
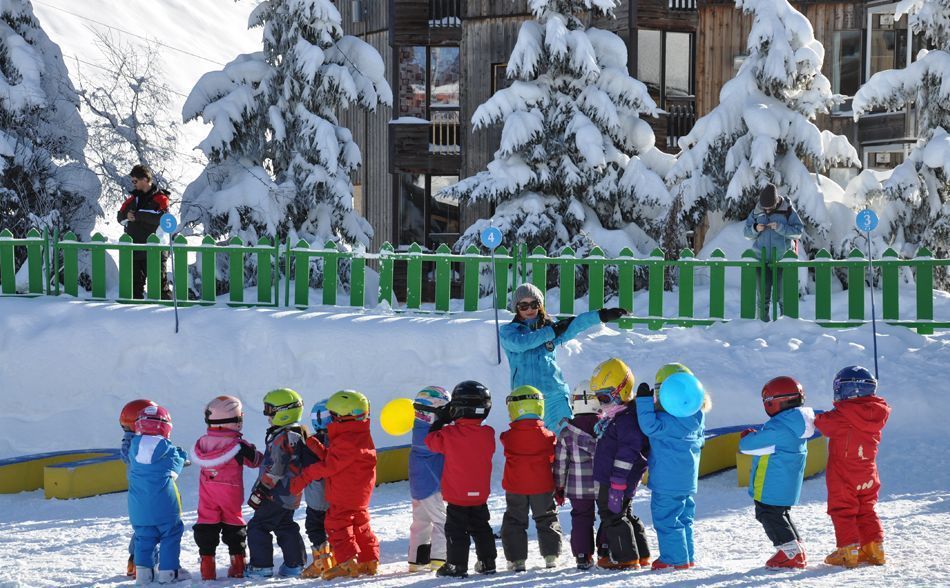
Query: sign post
[[491, 238], [169, 223], [867, 221]]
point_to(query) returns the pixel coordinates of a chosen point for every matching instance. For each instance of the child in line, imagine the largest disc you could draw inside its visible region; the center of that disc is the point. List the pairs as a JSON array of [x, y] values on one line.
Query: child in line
[[467, 444], [675, 444], [127, 417], [348, 467], [315, 495], [620, 459], [427, 532], [574, 472], [154, 503], [853, 429], [273, 502], [222, 454], [528, 481], [779, 450]]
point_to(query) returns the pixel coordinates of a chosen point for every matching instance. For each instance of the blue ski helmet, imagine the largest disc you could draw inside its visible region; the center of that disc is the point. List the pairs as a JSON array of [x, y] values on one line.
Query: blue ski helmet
[[320, 416], [852, 382]]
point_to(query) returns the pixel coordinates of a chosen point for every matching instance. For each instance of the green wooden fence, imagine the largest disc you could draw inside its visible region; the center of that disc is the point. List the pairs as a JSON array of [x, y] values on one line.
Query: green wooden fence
[[433, 276]]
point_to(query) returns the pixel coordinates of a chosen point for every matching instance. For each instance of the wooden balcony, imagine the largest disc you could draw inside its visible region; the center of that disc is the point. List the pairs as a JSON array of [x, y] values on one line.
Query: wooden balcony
[[425, 22], [425, 147], [677, 122]]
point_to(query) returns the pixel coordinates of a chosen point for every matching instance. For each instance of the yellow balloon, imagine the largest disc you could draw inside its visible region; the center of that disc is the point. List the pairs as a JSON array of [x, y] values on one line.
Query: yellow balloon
[[397, 416]]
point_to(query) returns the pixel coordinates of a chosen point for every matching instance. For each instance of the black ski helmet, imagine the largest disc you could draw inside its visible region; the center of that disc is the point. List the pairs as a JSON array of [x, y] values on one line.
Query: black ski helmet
[[470, 400]]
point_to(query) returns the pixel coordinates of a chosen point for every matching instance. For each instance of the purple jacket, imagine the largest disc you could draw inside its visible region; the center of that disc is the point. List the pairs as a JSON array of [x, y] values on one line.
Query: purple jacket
[[574, 458], [622, 451]]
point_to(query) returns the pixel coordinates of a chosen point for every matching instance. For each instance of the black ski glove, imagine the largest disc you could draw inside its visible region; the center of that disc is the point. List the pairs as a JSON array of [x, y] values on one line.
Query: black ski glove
[[561, 326], [611, 314], [442, 417], [246, 453], [644, 390]]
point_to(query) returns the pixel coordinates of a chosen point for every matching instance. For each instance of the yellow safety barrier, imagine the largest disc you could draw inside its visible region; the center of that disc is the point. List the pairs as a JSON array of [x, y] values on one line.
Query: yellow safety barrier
[[814, 464], [88, 477], [392, 464], [26, 473]]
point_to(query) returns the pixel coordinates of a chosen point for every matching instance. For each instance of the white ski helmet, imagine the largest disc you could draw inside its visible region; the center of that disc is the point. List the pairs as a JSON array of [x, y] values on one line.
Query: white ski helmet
[[583, 401], [225, 412]]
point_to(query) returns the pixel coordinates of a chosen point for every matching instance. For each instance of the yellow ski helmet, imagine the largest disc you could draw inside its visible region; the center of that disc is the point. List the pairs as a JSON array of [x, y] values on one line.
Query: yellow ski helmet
[[348, 405], [283, 406], [525, 400], [612, 382], [668, 370]]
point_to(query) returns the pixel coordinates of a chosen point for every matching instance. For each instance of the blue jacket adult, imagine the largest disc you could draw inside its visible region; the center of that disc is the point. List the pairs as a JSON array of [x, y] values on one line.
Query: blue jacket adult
[[425, 465], [779, 450], [621, 451], [530, 348], [154, 465], [675, 444], [789, 226]]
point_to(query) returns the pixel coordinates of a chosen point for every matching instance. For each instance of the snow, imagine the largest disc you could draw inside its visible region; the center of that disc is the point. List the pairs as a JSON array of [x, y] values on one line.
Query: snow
[[106, 354]]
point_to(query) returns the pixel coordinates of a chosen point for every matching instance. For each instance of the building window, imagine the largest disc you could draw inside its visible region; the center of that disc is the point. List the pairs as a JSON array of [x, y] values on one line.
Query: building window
[[887, 44], [412, 82], [426, 215], [884, 157], [846, 63], [499, 77], [665, 63], [429, 89]]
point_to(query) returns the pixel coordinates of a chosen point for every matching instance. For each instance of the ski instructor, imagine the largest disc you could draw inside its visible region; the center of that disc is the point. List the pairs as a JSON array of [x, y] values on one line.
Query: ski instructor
[[529, 341]]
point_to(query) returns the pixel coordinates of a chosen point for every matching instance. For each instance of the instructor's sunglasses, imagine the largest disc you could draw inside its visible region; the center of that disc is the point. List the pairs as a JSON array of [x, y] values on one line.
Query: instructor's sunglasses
[[534, 305]]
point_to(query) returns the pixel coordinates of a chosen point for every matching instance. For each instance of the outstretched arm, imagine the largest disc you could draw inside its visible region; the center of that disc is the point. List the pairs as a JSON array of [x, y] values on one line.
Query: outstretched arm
[[519, 340]]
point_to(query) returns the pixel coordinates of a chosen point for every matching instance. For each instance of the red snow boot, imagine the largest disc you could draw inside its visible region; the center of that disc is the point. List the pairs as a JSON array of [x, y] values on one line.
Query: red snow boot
[[781, 560], [662, 566], [207, 568], [237, 566]]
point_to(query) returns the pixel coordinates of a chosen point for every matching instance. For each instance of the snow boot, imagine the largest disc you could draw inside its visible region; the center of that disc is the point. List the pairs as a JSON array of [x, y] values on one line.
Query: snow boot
[[130, 567], [633, 564], [237, 566], [485, 567], [144, 575], [368, 568], [584, 562], [846, 556], [435, 564], [413, 568], [872, 553], [516, 566], [644, 562], [285, 571], [323, 560], [348, 569], [208, 571], [170, 576], [660, 565], [254, 572], [451, 571], [550, 561], [789, 555]]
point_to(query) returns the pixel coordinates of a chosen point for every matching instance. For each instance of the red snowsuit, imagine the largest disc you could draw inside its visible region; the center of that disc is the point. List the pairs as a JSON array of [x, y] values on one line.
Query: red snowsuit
[[468, 447], [853, 429], [348, 467], [529, 455]]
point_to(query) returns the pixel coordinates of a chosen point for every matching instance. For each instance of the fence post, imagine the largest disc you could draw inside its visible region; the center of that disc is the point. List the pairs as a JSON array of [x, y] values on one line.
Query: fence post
[[154, 269], [331, 268], [71, 266], [472, 285], [209, 278], [717, 284], [386, 262], [822, 285], [180, 267], [625, 267], [567, 281], [890, 291], [125, 267], [357, 279], [789, 272], [236, 269], [34, 256], [301, 274], [7, 267], [539, 269], [748, 288], [443, 278], [264, 271], [925, 287], [595, 282], [856, 276], [414, 277], [657, 281], [501, 276], [98, 260], [686, 282]]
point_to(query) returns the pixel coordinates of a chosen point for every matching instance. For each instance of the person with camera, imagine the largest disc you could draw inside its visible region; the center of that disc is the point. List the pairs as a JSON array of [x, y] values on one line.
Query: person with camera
[[141, 213], [530, 340]]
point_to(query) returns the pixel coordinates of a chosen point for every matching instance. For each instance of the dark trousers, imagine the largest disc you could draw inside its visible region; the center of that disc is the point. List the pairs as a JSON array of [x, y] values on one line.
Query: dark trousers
[[271, 517], [765, 292], [316, 531], [462, 523], [140, 273], [582, 526], [514, 525], [621, 536], [207, 536], [777, 522]]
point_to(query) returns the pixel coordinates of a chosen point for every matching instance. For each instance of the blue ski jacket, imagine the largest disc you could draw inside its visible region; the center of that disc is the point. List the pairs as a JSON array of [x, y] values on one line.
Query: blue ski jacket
[[154, 465], [788, 227], [425, 465], [779, 450], [675, 443], [532, 360]]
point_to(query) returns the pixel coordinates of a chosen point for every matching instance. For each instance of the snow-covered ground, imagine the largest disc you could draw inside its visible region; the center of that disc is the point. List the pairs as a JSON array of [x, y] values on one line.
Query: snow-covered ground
[[69, 366]]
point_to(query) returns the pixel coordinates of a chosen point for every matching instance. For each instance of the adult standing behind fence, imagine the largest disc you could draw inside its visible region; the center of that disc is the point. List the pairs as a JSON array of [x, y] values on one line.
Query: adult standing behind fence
[[776, 227], [141, 213], [529, 341]]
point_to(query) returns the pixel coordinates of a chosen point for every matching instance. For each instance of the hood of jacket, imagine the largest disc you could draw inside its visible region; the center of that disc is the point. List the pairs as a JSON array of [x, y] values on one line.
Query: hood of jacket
[[866, 413]]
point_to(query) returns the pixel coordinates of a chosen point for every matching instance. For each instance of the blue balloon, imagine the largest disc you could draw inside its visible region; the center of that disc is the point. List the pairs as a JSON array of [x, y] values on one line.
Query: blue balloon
[[682, 395]]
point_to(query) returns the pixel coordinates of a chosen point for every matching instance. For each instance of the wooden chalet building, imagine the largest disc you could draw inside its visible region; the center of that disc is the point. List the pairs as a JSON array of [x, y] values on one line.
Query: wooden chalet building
[[446, 57]]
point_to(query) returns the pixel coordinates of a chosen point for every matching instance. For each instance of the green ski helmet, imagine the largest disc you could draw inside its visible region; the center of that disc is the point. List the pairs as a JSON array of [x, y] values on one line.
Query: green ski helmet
[[348, 405], [668, 370], [525, 400], [283, 406]]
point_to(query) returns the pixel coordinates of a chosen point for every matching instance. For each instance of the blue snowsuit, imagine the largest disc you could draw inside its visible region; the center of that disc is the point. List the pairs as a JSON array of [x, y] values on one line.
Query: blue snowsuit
[[673, 466], [154, 501], [425, 466], [533, 362], [779, 450]]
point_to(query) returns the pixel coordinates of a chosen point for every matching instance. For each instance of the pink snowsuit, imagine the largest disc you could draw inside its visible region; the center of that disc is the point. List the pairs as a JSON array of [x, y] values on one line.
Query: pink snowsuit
[[221, 485]]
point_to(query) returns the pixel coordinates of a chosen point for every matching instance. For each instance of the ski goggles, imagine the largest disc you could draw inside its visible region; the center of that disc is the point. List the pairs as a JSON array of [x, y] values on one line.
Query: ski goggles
[[612, 394], [271, 409], [528, 396]]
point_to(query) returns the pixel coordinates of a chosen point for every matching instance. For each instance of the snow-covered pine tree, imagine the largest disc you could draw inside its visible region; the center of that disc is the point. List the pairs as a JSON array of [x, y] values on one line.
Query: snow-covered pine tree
[[44, 179], [279, 162], [574, 153], [913, 202], [761, 131]]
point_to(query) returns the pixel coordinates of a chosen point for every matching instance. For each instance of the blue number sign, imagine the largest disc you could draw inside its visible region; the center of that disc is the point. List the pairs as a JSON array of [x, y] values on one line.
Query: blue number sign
[[168, 222], [491, 237], [866, 220]]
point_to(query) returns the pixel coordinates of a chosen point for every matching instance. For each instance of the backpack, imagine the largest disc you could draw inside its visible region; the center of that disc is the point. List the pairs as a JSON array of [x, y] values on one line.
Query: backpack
[[794, 242]]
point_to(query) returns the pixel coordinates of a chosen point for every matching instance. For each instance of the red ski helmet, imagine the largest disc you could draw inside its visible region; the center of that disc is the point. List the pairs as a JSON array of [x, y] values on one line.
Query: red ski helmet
[[154, 420], [131, 411], [781, 393]]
